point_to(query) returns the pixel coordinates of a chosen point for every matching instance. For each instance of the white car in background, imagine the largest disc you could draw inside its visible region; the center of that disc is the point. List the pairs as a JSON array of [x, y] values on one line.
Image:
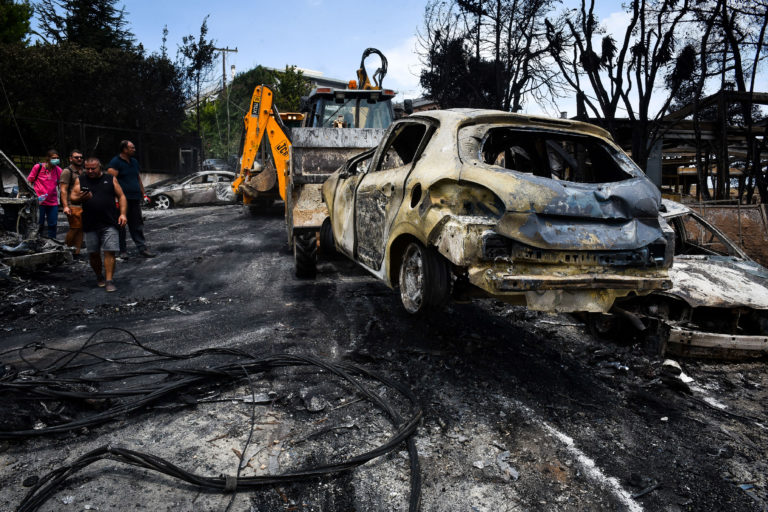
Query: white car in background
[[206, 187]]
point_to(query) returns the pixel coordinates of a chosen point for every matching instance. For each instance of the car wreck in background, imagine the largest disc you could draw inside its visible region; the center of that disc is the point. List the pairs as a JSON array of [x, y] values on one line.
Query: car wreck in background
[[718, 303], [20, 245], [541, 212], [206, 187]]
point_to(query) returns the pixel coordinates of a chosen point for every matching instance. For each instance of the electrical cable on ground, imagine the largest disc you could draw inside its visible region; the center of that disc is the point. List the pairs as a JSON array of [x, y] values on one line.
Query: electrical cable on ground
[[55, 381]]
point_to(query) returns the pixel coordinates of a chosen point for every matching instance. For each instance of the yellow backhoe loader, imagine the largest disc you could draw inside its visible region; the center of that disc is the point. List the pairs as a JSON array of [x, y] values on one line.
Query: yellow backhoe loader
[[338, 123]]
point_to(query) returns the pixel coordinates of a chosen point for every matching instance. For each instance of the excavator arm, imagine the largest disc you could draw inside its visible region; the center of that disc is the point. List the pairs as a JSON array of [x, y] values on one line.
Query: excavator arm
[[262, 118]]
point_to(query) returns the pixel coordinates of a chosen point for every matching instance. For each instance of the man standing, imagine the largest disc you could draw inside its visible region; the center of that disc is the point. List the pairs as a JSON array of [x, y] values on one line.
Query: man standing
[[74, 212], [97, 193], [126, 169], [44, 178]]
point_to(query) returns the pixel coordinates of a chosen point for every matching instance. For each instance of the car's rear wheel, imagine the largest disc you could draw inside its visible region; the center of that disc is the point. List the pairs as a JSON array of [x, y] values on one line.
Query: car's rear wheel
[[163, 202], [305, 255], [424, 279]]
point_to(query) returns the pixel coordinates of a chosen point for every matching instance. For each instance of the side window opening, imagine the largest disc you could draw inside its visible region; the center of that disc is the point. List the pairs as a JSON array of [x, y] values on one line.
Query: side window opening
[[401, 150]]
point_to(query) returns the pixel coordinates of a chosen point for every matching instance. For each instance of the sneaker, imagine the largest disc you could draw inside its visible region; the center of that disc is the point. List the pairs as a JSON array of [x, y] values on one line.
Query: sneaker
[[147, 254], [100, 282], [111, 287], [123, 255]]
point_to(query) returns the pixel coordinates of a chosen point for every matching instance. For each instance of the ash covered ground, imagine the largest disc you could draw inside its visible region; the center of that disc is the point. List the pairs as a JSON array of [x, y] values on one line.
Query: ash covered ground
[[522, 410]]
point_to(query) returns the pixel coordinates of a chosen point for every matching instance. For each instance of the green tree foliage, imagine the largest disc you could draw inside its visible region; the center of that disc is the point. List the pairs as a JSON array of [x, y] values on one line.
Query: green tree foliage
[[95, 24], [14, 20], [197, 54], [289, 86], [52, 84]]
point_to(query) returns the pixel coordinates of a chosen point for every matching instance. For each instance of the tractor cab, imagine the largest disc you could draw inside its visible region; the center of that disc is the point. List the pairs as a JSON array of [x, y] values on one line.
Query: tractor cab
[[328, 107]]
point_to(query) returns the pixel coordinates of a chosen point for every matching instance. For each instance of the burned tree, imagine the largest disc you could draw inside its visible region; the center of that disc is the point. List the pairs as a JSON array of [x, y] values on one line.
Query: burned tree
[[624, 74], [487, 54]]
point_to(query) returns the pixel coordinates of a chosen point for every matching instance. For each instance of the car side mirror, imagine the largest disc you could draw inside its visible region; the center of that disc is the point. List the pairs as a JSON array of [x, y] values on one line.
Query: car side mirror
[[408, 106]]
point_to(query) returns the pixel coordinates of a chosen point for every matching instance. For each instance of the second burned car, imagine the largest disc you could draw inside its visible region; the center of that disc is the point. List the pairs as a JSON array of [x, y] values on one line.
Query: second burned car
[[546, 213]]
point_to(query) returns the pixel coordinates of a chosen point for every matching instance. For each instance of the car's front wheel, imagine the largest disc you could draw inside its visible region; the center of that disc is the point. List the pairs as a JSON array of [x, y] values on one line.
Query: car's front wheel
[[163, 202], [424, 279]]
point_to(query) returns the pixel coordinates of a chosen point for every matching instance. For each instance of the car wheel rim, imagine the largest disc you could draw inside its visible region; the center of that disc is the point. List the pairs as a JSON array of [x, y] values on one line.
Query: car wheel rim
[[412, 280], [162, 203]]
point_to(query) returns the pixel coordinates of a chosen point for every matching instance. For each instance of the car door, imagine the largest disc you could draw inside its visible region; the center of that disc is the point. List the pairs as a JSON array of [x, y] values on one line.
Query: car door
[[222, 188], [381, 190], [343, 213], [194, 190]]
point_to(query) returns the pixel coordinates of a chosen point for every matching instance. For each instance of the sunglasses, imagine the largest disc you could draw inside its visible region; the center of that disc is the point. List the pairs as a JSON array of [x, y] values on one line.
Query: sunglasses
[[77, 158]]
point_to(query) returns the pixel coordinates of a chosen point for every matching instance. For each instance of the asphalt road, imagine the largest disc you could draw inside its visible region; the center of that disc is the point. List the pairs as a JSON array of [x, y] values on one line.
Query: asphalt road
[[522, 410]]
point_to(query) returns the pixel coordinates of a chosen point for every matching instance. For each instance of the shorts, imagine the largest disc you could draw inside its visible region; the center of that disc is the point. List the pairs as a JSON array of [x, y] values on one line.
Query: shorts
[[75, 218], [105, 239]]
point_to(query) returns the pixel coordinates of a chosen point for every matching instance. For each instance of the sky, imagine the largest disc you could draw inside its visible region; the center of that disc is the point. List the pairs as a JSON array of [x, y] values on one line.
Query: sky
[[320, 35]]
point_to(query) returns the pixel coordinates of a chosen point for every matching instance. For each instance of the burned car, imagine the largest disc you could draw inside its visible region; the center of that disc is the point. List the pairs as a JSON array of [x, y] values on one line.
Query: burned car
[[718, 303], [20, 245], [541, 212], [206, 187]]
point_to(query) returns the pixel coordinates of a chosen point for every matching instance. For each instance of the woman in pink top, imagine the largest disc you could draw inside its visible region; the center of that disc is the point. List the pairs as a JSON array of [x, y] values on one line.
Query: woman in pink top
[[45, 178]]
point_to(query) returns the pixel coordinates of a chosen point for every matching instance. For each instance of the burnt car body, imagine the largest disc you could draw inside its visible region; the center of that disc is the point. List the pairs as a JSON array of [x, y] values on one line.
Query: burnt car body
[[541, 212], [718, 303], [20, 245], [206, 187]]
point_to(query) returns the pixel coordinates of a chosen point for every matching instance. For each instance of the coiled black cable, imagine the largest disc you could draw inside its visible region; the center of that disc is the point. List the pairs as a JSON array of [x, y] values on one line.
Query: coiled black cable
[[55, 382]]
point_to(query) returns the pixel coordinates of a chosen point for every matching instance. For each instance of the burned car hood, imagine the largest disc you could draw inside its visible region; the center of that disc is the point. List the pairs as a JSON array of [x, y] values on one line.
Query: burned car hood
[[719, 281], [551, 214]]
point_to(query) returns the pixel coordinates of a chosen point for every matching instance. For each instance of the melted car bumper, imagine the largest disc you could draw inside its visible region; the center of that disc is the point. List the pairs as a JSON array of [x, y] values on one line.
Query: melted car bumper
[[686, 342], [563, 289]]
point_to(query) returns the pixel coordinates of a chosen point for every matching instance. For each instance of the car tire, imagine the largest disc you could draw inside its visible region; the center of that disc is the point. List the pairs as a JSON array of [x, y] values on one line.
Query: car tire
[[327, 243], [163, 202], [424, 278], [305, 255]]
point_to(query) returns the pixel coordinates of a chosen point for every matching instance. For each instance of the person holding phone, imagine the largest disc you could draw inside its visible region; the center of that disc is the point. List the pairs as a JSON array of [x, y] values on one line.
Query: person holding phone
[[97, 192]]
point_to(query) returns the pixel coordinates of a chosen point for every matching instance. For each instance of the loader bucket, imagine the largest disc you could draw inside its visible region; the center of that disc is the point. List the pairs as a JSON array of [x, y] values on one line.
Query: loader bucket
[[315, 154]]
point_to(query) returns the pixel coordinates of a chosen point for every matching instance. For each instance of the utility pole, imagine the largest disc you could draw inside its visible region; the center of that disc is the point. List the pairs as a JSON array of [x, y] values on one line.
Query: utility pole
[[224, 84]]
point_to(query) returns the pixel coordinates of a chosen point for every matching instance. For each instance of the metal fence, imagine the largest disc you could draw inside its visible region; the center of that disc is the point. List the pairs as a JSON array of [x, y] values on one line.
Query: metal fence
[[166, 153]]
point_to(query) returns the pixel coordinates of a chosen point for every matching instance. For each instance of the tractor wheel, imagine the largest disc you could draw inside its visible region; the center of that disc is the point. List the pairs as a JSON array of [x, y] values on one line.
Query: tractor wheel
[[327, 243], [425, 279], [305, 255]]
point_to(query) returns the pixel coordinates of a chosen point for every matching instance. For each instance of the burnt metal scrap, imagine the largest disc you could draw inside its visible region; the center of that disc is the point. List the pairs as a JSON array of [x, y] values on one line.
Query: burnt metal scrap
[[540, 212], [20, 245], [718, 303]]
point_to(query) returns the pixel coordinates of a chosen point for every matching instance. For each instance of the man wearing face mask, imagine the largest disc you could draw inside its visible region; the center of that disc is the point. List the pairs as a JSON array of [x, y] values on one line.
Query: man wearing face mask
[[44, 178]]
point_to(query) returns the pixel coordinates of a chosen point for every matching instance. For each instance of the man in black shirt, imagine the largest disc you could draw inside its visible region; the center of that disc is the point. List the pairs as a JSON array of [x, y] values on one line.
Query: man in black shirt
[[97, 191]]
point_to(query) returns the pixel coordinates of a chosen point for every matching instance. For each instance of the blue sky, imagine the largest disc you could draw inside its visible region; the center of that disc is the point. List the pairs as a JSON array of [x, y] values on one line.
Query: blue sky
[[312, 34], [321, 35]]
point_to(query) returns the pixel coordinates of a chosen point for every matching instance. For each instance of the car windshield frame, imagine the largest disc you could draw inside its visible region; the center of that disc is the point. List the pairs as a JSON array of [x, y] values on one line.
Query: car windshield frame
[[678, 220]]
